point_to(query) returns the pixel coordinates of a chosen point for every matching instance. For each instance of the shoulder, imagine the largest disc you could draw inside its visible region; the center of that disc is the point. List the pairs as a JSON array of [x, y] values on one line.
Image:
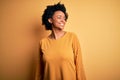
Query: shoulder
[[74, 38], [72, 34], [43, 40]]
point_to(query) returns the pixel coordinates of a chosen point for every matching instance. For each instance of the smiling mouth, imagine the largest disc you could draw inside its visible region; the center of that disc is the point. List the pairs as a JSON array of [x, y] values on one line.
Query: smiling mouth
[[62, 24]]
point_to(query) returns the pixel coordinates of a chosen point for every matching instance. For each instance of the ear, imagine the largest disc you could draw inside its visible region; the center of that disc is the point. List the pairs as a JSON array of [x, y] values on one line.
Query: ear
[[50, 20]]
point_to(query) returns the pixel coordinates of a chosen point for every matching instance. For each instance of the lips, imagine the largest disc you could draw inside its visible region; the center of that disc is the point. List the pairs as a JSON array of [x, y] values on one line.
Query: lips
[[61, 24]]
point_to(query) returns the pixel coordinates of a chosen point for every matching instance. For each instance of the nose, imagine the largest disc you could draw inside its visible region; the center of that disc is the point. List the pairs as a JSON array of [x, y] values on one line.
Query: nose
[[63, 20]]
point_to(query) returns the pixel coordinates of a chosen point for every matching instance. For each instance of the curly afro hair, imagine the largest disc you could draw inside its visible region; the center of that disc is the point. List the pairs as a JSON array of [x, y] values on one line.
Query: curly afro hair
[[49, 12]]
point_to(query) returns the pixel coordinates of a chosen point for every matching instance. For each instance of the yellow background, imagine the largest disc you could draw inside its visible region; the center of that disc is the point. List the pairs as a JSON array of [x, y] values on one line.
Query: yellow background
[[96, 23]]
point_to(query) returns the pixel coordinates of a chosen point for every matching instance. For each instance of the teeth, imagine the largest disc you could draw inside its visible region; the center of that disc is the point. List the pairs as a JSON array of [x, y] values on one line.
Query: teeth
[[62, 24]]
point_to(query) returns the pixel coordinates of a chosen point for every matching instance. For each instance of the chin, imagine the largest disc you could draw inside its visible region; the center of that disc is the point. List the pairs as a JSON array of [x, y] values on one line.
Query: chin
[[61, 28]]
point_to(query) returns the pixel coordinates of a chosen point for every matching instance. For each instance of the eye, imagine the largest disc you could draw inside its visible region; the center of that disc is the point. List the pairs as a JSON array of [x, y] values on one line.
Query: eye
[[61, 17]]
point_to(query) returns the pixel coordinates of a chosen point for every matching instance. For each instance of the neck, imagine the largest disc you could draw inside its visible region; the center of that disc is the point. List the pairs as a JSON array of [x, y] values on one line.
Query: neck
[[56, 34]]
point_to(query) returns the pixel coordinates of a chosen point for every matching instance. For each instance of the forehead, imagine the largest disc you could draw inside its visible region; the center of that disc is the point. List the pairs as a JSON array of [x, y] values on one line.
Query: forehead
[[58, 13]]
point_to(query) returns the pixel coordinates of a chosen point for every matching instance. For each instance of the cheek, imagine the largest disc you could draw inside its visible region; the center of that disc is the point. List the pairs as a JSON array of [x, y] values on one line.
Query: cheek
[[56, 21]]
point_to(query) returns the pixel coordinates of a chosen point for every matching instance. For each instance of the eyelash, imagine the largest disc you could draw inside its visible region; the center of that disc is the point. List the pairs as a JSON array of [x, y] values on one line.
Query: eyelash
[[59, 17]]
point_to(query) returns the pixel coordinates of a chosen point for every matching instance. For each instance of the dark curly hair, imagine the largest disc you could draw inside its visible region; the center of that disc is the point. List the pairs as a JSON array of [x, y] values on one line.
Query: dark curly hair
[[49, 12]]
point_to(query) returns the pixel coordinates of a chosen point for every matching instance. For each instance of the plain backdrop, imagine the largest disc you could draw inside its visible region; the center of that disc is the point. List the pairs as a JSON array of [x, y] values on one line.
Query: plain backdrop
[[96, 23]]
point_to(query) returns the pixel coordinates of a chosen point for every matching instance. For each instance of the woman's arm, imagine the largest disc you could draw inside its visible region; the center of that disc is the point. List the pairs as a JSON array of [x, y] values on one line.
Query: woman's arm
[[80, 74], [37, 66]]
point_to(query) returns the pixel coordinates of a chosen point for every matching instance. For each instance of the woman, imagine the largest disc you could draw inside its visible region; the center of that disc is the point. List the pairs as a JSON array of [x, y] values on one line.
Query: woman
[[60, 54]]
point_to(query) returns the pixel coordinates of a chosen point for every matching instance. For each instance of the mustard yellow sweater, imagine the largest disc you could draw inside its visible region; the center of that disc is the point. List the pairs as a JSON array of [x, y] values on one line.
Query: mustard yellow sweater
[[61, 59]]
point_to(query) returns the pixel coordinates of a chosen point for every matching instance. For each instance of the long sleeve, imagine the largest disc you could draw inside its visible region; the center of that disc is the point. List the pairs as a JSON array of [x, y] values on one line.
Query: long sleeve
[[60, 59], [78, 59], [39, 65], [37, 73]]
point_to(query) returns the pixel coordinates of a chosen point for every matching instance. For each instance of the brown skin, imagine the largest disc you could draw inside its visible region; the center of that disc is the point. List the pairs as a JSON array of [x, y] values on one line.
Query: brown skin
[[58, 22]]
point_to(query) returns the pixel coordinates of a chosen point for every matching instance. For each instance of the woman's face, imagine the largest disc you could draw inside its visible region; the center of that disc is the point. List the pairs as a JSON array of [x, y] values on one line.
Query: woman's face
[[58, 20]]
